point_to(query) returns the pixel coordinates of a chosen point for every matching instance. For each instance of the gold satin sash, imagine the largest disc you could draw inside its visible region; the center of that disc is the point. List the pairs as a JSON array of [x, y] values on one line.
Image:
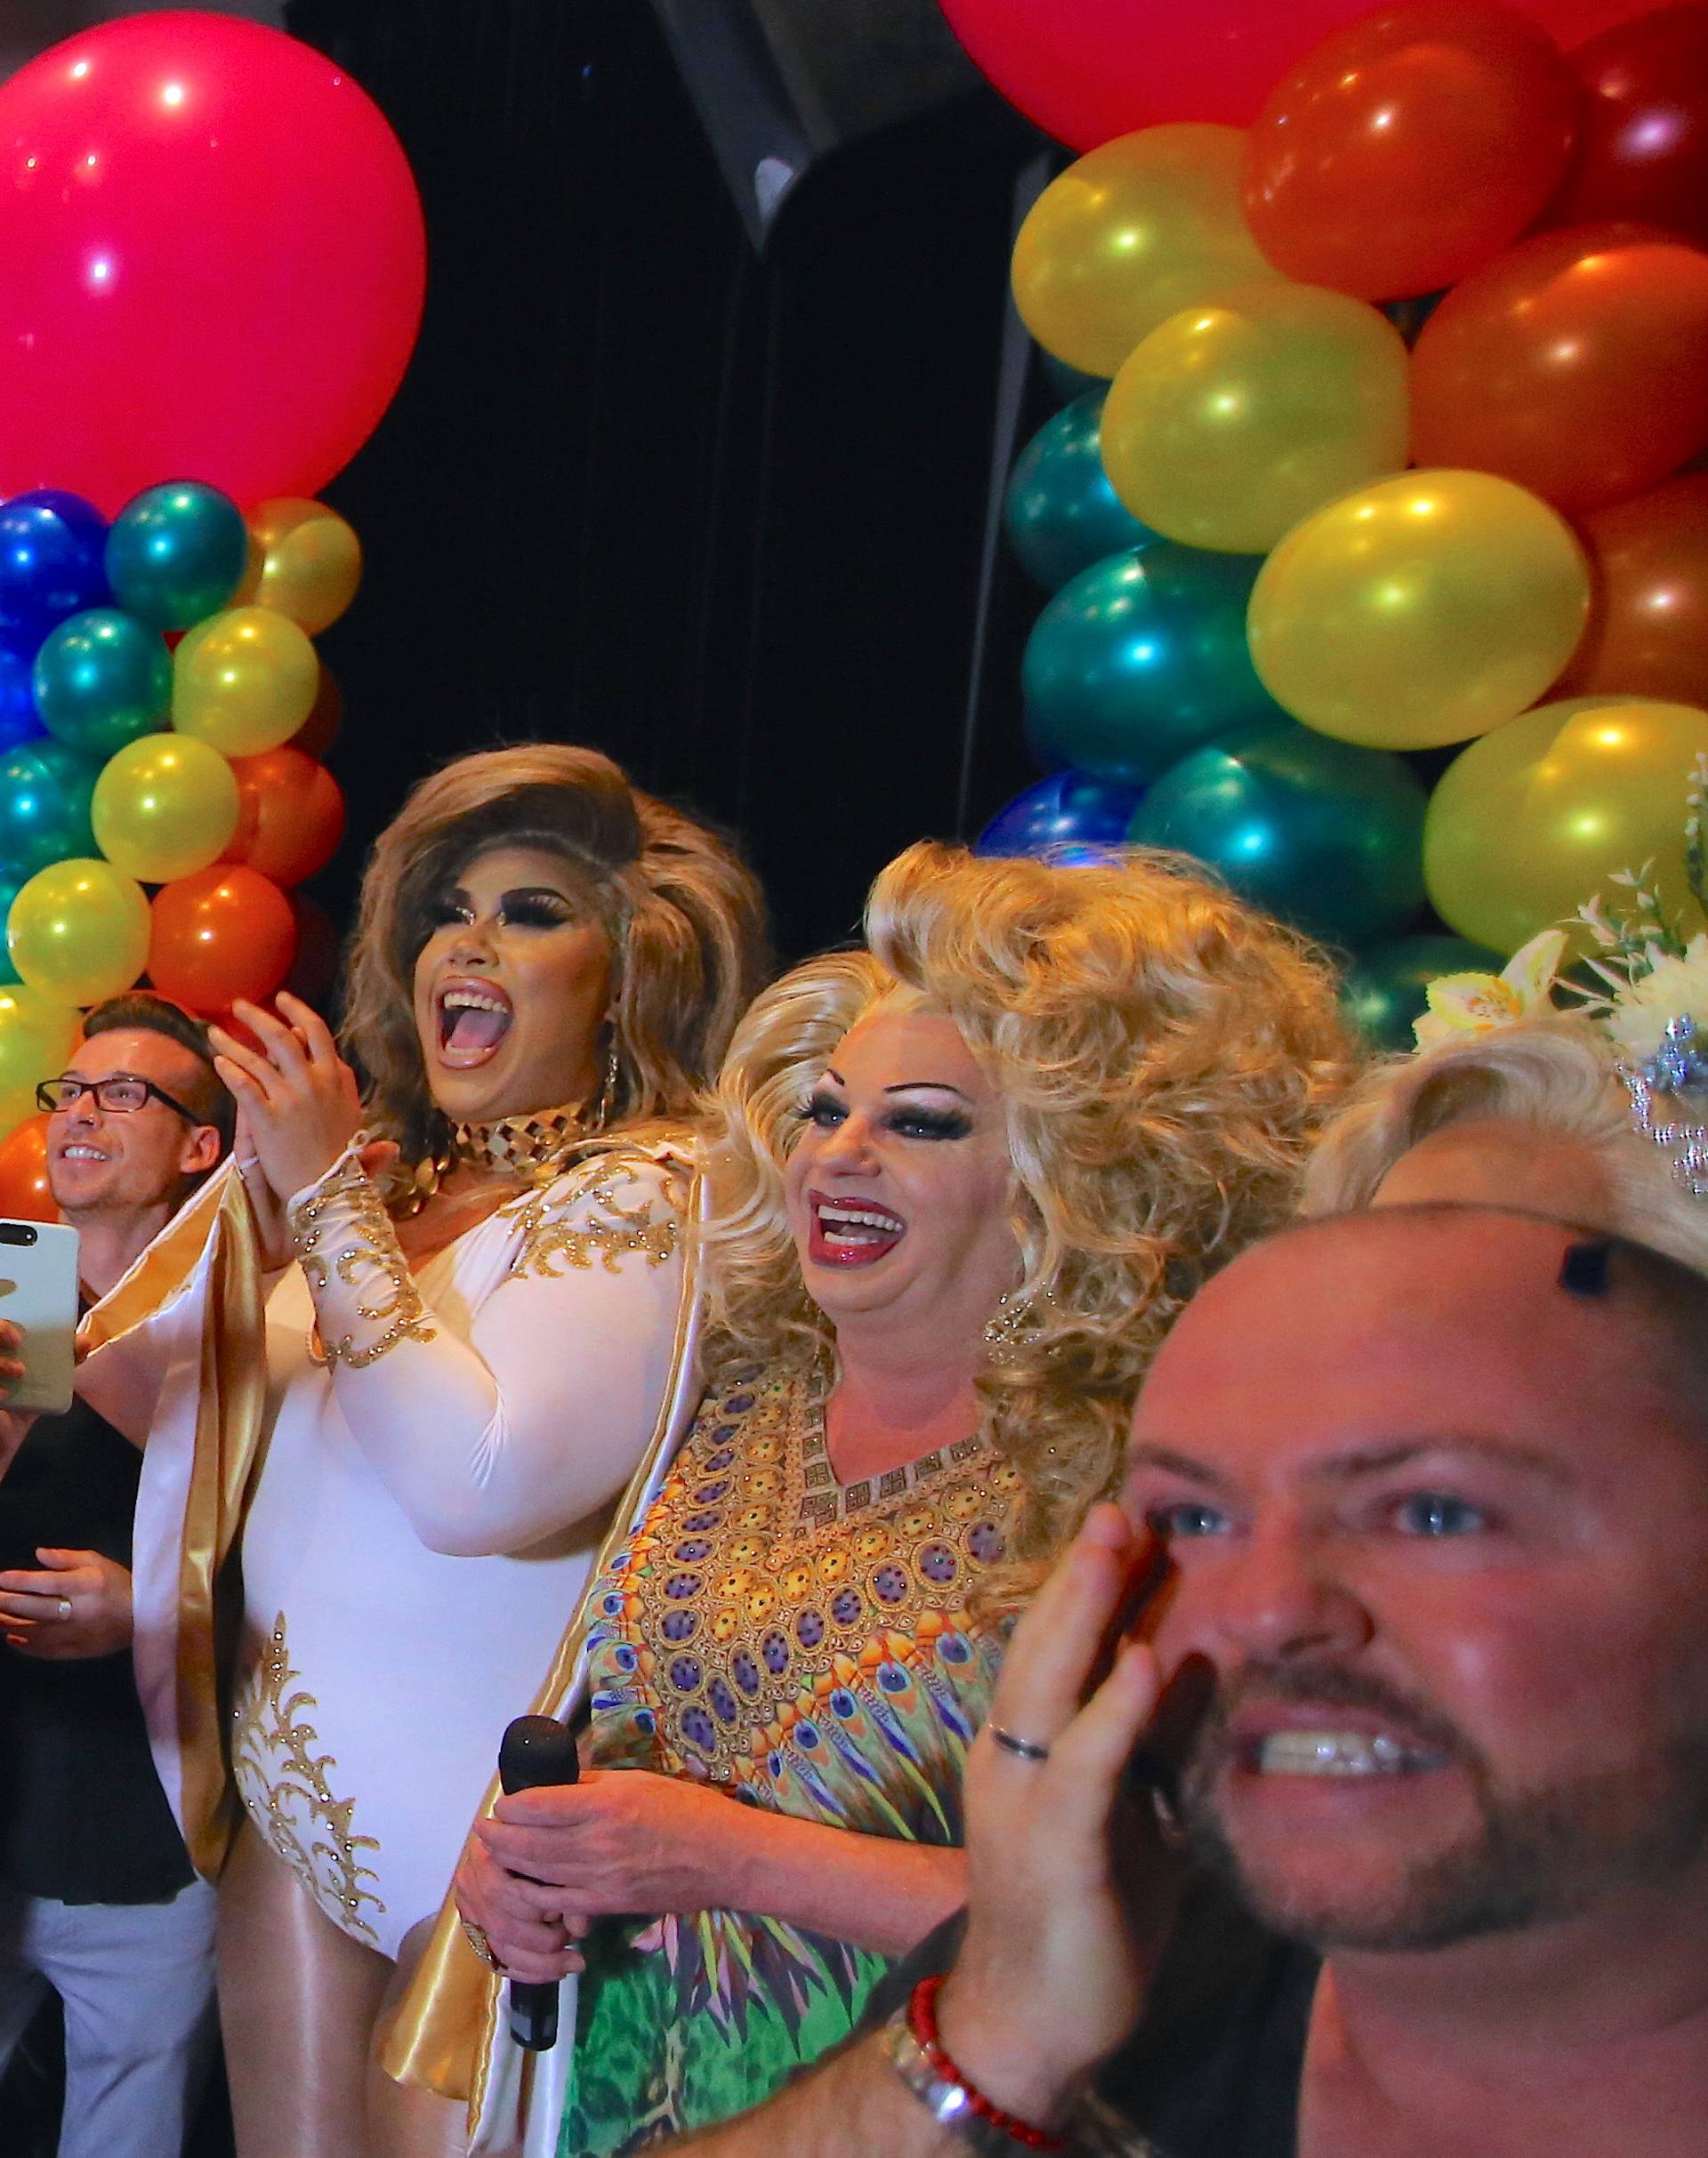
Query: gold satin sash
[[440, 2034], [214, 1234]]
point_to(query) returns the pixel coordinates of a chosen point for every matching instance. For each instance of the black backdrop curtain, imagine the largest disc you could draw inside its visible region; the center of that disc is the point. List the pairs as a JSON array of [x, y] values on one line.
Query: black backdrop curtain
[[720, 515]]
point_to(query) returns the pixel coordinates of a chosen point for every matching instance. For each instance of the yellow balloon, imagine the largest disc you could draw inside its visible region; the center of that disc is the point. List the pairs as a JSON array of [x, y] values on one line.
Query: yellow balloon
[[244, 681], [164, 806], [1424, 610], [35, 1037], [79, 931], [1129, 235], [305, 562], [1240, 416], [1532, 821]]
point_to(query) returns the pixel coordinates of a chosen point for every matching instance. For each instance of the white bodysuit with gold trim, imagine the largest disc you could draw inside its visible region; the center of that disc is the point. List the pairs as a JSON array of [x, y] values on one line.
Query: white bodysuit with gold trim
[[444, 1452]]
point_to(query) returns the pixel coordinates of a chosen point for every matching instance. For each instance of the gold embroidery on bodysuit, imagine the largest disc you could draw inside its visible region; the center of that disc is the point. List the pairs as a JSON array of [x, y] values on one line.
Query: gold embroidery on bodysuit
[[370, 1260], [765, 1583], [284, 1787], [551, 1239]]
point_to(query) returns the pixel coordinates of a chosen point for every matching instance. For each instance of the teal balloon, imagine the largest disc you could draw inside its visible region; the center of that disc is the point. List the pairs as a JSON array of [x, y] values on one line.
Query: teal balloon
[[102, 680], [1068, 382], [1061, 513], [45, 790], [1142, 659], [10, 887], [1327, 836], [1385, 987], [177, 553]]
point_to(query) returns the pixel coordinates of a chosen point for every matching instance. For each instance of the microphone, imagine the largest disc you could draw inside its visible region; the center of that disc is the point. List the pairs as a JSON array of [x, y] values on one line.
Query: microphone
[[536, 1750]]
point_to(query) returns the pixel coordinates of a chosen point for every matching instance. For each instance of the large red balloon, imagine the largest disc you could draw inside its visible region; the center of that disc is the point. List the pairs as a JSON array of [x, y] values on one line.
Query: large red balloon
[[1648, 626], [290, 815], [1088, 69], [1643, 138], [1408, 149], [223, 933], [212, 263], [1576, 363]]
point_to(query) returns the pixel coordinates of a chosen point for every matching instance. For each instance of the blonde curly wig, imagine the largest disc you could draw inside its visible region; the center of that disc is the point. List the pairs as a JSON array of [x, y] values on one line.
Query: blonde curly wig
[[685, 918], [1165, 1056], [1555, 1074]]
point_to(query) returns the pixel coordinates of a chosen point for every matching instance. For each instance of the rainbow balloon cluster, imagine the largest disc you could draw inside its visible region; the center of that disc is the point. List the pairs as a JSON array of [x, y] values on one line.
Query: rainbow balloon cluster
[[1397, 381], [164, 719], [163, 709]]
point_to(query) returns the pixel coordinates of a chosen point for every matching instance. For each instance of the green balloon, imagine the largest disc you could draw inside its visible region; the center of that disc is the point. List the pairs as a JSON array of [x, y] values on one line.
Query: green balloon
[[101, 679], [1142, 659], [10, 887], [1061, 513], [1384, 988], [176, 553], [44, 797], [1325, 835]]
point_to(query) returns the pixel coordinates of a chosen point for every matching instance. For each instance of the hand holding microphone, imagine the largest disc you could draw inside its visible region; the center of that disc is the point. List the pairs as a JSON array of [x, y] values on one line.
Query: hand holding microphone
[[536, 1750]]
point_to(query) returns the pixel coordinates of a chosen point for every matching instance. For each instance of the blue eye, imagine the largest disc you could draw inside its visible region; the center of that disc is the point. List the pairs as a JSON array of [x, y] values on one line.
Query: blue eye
[[1188, 1518], [823, 1111], [1438, 1513]]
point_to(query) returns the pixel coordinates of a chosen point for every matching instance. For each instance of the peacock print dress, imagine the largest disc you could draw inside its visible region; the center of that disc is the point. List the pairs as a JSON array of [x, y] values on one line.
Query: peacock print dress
[[809, 1647]]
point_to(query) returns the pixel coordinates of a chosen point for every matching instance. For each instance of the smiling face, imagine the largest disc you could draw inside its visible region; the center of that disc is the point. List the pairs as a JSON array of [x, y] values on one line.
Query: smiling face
[[512, 987], [98, 1162], [1438, 1525], [898, 1186]]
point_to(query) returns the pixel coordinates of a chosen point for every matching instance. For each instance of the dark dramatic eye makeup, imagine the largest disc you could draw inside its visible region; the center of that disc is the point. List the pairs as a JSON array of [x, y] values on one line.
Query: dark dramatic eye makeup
[[536, 906], [909, 1120]]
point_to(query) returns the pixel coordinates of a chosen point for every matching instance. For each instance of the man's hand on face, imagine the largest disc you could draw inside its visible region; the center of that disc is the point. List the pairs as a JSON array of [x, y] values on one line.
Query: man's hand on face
[[1071, 1892], [78, 1605]]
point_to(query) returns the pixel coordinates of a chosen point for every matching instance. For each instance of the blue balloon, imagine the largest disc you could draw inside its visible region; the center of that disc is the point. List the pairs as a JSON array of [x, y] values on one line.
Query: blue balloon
[[51, 549], [20, 722], [1060, 512], [1062, 816], [1325, 835], [11, 885], [1068, 382]]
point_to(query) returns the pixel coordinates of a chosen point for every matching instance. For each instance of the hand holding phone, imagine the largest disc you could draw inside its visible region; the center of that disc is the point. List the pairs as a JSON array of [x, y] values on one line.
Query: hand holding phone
[[38, 1304]]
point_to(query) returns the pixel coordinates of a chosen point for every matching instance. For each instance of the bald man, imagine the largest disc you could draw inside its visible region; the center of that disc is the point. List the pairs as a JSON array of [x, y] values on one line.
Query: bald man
[[1429, 1487]]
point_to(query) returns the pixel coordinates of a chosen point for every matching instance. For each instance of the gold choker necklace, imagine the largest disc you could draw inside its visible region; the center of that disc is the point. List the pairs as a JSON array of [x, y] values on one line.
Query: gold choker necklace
[[518, 1146]]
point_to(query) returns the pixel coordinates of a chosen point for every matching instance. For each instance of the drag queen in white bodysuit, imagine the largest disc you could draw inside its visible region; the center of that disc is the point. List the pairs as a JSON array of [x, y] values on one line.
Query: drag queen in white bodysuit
[[481, 1337]]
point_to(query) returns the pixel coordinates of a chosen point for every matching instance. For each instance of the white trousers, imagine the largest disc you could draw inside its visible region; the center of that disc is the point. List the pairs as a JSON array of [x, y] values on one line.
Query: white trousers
[[137, 1981]]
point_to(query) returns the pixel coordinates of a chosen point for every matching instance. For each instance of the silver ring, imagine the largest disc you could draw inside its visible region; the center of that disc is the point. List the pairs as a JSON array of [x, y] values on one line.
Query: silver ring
[[1022, 1748], [65, 1607]]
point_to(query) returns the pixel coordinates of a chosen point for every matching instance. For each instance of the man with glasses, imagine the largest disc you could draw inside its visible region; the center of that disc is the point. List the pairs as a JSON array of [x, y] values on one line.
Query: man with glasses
[[98, 1899]]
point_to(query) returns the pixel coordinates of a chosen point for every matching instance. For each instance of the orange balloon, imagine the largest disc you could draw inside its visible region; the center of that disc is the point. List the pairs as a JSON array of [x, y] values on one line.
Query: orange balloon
[[317, 733], [1648, 622], [24, 1192], [1408, 149], [290, 815], [1575, 364], [223, 933]]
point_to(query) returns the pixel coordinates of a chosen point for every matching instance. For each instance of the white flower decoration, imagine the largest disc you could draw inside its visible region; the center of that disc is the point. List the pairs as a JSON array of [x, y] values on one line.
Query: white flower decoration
[[1636, 1014], [1461, 1004]]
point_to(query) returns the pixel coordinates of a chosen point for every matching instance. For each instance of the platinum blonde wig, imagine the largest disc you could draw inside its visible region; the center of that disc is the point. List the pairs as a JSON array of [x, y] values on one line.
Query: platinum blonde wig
[[685, 919], [1556, 1075], [1165, 1056]]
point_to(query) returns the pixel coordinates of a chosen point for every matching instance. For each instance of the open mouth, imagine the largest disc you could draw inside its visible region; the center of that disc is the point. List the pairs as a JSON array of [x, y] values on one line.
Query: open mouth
[[473, 1018], [850, 1232], [78, 1152], [1330, 1752]]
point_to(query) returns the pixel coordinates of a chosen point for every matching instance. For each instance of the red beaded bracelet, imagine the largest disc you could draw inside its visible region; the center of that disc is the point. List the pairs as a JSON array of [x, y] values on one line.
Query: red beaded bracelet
[[921, 2021]]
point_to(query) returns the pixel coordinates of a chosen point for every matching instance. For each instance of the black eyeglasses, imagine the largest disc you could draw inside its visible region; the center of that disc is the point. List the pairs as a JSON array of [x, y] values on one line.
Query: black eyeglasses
[[119, 1096]]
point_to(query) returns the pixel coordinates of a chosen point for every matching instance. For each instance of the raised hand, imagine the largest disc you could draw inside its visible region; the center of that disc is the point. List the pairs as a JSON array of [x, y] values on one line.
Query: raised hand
[[297, 1096]]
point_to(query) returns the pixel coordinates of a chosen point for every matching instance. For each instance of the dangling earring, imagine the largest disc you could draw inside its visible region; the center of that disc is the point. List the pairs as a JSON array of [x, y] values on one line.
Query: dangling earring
[[1006, 1324], [604, 1103]]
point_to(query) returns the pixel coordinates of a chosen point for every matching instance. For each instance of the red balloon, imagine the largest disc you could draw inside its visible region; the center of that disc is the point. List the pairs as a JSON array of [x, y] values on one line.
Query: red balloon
[[212, 263], [1089, 70], [290, 815], [1576, 363], [24, 1192], [1407, 150], [1648, 626], [1642, 148], [223, 933]]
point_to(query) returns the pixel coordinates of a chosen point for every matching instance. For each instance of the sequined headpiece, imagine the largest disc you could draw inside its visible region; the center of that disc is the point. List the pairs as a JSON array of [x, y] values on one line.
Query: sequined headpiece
[[1652, 1000]]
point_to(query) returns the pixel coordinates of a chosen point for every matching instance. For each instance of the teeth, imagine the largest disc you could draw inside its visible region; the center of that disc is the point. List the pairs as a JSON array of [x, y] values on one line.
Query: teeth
[[472, 1000], [81, 1154], [856, 1217], [1334, 1754]]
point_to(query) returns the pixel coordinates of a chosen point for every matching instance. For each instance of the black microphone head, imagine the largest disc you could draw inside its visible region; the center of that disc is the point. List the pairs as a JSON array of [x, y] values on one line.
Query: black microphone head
[[537, 1750]]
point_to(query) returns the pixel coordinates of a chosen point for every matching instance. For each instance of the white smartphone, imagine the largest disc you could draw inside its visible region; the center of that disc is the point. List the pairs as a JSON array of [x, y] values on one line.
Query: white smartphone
[[38, 1292]]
